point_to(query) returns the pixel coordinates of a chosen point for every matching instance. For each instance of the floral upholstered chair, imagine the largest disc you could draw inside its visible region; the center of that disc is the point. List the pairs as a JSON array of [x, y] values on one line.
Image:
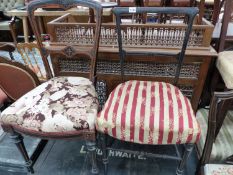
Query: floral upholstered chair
[[146, 112], [64, 107]]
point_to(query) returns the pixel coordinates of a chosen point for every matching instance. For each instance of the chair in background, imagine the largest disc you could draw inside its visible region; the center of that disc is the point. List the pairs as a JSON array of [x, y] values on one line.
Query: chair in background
[[226, 28], [203, 6], [7, 47], [16, 80], [63, 107], [31, 57], [215, 144], [6, 5], [212, 7], [145, 112]]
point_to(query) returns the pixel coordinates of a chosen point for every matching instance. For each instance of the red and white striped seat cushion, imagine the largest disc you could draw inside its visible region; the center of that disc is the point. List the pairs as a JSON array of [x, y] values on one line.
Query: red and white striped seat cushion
[[148, 112]]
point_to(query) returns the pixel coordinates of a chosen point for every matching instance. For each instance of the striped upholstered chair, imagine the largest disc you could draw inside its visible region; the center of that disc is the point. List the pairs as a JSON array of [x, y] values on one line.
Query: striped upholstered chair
[[146, 112]]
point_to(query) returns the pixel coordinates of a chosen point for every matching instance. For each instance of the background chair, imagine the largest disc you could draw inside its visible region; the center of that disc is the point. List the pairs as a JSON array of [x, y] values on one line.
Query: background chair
[[215, 144], [31, 56], [8, 47], [219, 138], [226, 26], [138, 111], [16, 80], [47, 114], [7, 5]]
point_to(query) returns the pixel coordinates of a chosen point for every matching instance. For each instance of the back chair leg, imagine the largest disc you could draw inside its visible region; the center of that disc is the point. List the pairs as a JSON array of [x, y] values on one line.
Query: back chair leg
[[18, 140], [91, 148], [187, 152], [103, 138]]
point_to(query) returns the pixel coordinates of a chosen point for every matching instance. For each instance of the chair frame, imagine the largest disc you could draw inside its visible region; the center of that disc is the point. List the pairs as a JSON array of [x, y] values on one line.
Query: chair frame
[[88, 136], [91, 53], [9, 47], [191, 13], [214, 124]]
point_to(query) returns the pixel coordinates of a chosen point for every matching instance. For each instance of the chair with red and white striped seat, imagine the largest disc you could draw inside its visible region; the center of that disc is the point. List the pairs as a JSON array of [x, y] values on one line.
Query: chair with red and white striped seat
[[149, 112]]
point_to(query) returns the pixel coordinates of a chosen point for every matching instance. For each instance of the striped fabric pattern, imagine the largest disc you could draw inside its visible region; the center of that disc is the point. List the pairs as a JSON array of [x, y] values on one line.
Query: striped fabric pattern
[[148, 112], [222, 147]]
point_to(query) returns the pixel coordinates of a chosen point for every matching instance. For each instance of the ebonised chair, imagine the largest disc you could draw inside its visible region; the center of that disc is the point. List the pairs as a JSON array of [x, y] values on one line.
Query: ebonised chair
[[146, 112]]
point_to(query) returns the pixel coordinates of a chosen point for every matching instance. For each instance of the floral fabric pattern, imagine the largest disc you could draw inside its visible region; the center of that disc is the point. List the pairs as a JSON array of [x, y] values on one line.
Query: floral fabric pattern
[[58, 105]]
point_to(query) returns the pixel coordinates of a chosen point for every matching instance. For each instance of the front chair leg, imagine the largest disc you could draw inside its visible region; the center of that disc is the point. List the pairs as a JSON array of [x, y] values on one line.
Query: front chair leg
[[18, 140], [187, 152], [91, 148], [103, 138]]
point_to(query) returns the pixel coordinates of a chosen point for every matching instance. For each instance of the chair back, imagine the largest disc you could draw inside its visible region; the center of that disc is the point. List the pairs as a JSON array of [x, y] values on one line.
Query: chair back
[[32, 58], [67, 51], [215, 123], [190, 12], [16, 79], [227, 18]]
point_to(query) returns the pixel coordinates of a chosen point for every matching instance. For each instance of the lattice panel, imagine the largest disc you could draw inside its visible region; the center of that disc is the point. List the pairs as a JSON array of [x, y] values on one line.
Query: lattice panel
[[133, 68], [187, 91], [132, 36], [101, 89]]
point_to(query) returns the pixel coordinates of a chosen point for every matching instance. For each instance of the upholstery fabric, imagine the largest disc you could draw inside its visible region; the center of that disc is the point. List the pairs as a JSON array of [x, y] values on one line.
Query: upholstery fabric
[[222, 147], [224, 65], [6, 5], [148, 113], [218, 169], [58, 105]]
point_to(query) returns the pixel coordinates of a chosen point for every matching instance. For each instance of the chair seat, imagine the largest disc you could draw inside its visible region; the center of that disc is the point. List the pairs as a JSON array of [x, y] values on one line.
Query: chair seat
[[58, 105], [148, 113], [222, 147], [224, 65]]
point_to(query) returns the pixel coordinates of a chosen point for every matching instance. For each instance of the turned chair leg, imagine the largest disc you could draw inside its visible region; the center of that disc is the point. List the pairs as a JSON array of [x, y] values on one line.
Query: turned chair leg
[[103, 138], [91, 148], [187, 152], [18, 140]]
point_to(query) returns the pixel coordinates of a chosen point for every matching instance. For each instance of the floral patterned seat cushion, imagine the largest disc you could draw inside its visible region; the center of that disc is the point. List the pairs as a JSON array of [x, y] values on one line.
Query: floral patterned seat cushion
[[148, 113], [58, 105]]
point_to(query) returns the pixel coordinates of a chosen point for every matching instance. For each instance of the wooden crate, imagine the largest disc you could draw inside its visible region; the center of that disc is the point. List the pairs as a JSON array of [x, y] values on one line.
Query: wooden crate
[[152, 37]]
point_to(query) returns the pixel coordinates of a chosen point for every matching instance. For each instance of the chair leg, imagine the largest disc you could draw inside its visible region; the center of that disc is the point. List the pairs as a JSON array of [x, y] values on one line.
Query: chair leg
[[188, 150], [91, 148], [18, 140], [103, 138]]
